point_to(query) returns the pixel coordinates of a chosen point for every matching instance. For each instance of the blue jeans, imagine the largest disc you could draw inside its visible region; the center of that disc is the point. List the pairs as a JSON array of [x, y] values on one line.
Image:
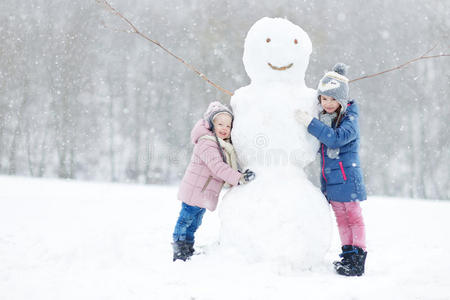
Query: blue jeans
[[188, 222]]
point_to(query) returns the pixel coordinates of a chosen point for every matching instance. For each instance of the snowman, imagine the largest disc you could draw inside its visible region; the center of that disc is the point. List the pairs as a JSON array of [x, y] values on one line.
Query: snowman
[[280, 217]]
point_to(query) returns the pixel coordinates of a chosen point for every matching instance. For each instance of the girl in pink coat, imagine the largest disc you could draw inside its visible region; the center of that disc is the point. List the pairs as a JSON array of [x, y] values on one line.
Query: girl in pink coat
[[213, 164]]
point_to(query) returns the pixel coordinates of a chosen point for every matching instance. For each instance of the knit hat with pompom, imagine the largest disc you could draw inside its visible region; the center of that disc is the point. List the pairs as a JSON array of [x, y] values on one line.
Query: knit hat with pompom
[[335, 84], [214, 109]]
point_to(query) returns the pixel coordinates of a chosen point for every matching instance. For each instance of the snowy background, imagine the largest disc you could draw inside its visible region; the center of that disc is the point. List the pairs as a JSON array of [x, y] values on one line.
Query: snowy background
[[83, 103], [81, 99], [78, 240]]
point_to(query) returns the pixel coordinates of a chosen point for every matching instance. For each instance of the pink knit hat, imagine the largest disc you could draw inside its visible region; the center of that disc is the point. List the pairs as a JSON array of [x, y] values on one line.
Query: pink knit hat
[[214, 109]]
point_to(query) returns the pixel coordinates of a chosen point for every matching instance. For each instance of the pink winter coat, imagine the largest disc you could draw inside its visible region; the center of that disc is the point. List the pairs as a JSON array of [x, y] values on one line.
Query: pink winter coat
[[206, 173]]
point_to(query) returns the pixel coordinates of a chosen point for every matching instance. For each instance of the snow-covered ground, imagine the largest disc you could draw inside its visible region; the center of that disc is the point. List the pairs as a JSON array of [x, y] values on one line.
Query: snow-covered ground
[[78, 240]]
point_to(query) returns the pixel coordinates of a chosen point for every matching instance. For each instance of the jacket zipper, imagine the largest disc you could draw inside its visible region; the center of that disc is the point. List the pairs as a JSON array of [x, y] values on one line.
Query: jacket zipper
[[206, 184], [342, 170], [323, 164]]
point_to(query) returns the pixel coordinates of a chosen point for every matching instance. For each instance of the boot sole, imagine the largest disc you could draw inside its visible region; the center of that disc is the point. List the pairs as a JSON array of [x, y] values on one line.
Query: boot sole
[[342, 270]]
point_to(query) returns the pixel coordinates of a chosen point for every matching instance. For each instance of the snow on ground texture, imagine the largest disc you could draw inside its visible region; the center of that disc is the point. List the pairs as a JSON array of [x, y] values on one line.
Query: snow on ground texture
[[72, 240]]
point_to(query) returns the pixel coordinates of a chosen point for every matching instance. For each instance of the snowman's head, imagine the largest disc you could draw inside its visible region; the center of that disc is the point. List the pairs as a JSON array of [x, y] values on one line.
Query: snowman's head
[[276, 50]]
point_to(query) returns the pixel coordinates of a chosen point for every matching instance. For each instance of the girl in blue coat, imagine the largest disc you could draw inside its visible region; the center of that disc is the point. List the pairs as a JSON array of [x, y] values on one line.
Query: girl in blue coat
[[341, 178]]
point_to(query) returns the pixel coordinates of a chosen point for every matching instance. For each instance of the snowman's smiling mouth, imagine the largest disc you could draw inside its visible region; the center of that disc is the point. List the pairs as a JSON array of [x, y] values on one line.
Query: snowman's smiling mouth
[[280, 68]]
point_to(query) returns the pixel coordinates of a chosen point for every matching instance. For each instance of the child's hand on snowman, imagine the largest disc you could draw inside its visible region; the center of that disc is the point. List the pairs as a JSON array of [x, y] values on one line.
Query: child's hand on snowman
[[303, 117], [247, 176]]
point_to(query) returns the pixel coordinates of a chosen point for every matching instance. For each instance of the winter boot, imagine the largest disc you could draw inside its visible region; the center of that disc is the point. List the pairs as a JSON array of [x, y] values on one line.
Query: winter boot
[[356, 266], [180, 250], [190, 248], [347, 252], [359, 261]]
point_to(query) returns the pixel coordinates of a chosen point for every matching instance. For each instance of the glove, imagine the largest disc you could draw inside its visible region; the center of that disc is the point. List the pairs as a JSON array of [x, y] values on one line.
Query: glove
[[303, 117], [247, 176]]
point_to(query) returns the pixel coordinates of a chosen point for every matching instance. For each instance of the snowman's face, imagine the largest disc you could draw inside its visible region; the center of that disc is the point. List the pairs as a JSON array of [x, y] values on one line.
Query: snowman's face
[[274, 55], [276, 49]]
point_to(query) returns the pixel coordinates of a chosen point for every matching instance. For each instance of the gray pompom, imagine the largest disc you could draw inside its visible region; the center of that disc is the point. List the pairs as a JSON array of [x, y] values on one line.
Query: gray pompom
[[340, 68]]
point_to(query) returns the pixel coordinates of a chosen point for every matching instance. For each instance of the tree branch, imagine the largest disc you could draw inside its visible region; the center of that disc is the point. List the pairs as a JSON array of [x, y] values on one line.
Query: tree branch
[[135, 30], [423, 56]]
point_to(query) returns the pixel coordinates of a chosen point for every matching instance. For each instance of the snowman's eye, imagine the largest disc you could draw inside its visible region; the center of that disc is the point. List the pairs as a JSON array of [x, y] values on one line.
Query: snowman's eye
[[296, 41], [268, 40]]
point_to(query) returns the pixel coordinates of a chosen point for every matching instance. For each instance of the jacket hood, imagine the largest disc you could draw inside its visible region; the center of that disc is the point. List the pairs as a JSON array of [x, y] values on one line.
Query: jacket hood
[[352, 107], [200, 129]]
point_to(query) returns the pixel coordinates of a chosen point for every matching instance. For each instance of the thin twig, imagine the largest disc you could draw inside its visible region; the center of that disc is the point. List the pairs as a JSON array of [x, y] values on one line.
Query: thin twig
[[138, 32], [114, 29], [402, 65], [434, 47]]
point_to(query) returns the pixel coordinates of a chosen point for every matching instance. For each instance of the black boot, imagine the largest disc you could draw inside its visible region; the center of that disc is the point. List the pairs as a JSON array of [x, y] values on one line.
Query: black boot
[[359, 261], [180, 250], [347, 252], [356, 266]]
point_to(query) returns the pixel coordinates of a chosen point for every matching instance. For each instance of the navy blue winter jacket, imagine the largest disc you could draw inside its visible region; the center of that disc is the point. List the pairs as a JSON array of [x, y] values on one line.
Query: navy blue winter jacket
[[341, 178]]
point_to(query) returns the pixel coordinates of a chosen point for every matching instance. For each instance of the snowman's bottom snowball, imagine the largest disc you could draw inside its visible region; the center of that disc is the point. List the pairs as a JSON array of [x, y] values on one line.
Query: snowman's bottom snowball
[[281, 218]]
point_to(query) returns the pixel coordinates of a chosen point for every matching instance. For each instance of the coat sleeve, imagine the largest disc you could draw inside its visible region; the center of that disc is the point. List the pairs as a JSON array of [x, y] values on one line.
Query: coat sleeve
[[211, 157], [338, 137]]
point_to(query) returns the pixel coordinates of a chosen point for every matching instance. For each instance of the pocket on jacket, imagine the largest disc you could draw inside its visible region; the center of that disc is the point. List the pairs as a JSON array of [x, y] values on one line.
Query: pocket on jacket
[[344, 176], [334, 176], [206, 183]]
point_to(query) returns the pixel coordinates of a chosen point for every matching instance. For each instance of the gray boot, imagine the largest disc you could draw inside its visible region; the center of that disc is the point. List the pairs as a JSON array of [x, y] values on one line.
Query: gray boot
[[190, 248], [180, 250]]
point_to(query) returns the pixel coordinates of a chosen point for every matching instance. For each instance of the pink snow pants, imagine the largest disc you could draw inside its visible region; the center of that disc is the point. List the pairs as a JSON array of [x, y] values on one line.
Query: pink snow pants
[[350, 223]]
